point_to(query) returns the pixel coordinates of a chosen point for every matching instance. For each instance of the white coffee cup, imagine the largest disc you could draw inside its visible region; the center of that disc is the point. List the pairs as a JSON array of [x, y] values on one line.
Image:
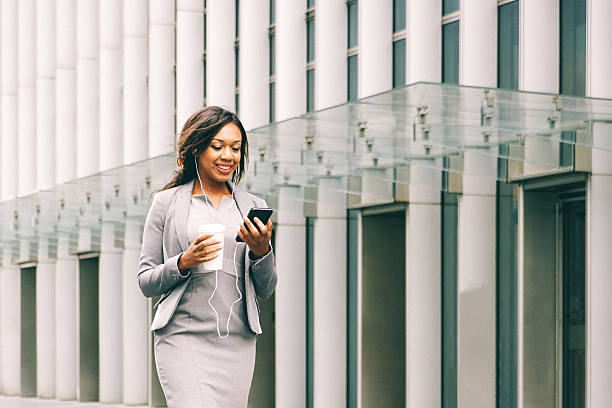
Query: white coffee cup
[[217, 230]]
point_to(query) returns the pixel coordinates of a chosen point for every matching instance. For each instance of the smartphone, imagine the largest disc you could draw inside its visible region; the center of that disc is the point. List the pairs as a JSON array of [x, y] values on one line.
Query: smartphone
[[263, 214]]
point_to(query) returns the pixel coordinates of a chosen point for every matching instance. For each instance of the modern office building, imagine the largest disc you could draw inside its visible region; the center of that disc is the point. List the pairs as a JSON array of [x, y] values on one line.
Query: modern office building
[[440, 170]]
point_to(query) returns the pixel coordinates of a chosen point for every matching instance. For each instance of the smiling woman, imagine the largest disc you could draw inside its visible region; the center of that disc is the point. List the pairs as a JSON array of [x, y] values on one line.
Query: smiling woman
[[208, 281]]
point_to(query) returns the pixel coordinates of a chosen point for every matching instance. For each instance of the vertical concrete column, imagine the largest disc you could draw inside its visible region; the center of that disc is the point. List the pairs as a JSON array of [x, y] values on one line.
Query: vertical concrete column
[[476, 283], [478, 43], [45, 321], [329, 358], [375, 47], [161, 77], [88, 67], [26, 98], [189, 52], [254, 104], [423, 289], [331, 58], [290, 59], [110, 312], [220, 61], [423, 41], [8, 98], [539, 45], [599, 279], [11, 328], [599, 13], [111, 85], [135, 76], [135, 327], [45, 93], [65, 91], [66, 274], [290, 300]]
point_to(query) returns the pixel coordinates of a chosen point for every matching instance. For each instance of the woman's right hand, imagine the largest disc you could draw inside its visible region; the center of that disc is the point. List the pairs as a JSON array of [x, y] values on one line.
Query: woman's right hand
[[203, 249]]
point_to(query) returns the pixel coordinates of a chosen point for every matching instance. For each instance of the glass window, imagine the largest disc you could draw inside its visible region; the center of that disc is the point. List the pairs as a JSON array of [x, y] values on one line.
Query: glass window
[[352, 77], [272, 92], [399, 15], [573, 47], [272, 40], [310, 90], [310, 3], [237, 66], [352, 24], [310, 33], [508, 45], [450, 53], [272, 11], [449, 6], [309, 312], [399, 63], [237, 102]]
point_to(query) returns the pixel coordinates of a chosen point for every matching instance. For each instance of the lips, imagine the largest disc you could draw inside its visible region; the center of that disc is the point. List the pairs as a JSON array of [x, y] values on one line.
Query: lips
[[224, 168]]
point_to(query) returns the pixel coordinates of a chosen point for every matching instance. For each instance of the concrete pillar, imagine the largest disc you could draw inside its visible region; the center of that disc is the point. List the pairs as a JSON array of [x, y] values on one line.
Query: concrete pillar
[[135, 75], [598, 279], [220, 60], [111, 85], [375, 47], [65, 91], [423, 41], [423, 302], [478, 43], [110, 311], [26, 98], [8, 99], [88, 67], [599, 13], [11, 329], [135, 327], [290, 299], [66, 274], [45, 321], [539, 45], [189, 64], [254, 100], [476, 283], [161, 77], [330, 297], [331, 59], [290, 59], [45, 93]]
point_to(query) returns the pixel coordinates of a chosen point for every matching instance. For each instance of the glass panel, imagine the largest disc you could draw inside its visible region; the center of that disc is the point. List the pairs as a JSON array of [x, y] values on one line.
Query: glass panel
[[272, 11], [449, 300], [237, 103], [310, 90], [352, 25], [352, 77], [310, 45], [450, 53], [507, 223], [310, 3], [272, 92], [237, 66], [28, 332], [449, 6], [237, 23], [574, 333], [508, 45], [309, 312], [399, 63], [352, 316], [272, 55], [573, 47], [399, 15]]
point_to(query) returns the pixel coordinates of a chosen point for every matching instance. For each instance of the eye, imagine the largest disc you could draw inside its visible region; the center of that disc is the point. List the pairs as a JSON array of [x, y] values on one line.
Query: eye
[[215, 147], [236, 149]]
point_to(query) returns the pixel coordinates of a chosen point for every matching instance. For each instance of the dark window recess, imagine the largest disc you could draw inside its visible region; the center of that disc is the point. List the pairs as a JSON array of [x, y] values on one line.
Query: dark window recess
[[450, 53]]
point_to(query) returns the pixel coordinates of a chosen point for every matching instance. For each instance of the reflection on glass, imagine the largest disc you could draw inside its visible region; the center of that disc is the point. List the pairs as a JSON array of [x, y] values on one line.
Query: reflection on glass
[[450, 53], [352, 77], [399, 63], [508, 45], [573, 47]]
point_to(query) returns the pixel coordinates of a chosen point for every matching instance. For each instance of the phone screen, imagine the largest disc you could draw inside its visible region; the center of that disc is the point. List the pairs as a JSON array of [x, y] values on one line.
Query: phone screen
[[262, 213]]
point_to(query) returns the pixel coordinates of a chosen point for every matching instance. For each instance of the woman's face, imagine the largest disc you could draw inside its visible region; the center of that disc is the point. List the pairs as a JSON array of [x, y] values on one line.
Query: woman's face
[[222, 156]]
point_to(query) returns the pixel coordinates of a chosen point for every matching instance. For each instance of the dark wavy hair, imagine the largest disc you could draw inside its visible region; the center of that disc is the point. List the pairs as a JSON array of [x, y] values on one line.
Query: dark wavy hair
[[198, 131]]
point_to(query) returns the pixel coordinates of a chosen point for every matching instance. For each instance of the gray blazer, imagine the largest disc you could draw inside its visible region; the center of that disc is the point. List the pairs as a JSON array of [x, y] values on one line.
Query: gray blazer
[[165, 239]]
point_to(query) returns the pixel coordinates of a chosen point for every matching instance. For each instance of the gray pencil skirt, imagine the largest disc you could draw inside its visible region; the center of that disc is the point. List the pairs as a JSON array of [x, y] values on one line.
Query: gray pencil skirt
[[196, 367]]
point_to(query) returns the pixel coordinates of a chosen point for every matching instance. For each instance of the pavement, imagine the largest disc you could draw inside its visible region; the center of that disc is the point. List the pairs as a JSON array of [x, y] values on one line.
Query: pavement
[[18, 402]]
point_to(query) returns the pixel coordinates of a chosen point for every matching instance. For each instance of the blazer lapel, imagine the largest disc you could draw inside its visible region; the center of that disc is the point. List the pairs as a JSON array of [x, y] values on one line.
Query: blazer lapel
[[243, 202], [181, 212]]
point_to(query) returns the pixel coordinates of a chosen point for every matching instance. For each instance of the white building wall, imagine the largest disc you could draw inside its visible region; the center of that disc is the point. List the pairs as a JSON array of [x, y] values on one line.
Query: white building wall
[[331, 57], [375, 60], [423, 41], [220, 61], [8, 98], [11, 325]]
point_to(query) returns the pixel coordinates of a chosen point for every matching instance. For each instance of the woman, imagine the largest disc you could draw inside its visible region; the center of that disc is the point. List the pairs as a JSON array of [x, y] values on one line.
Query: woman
[[206, 321]]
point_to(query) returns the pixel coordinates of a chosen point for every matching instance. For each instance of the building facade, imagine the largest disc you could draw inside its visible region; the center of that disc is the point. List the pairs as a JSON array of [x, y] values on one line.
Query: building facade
[[440, 173]]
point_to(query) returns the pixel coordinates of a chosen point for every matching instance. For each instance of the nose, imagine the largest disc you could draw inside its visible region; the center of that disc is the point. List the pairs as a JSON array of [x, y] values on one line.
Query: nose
[[226, 153]]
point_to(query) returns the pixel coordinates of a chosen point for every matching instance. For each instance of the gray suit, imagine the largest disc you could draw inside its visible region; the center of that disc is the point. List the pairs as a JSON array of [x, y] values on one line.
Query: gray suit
[[165, 239]]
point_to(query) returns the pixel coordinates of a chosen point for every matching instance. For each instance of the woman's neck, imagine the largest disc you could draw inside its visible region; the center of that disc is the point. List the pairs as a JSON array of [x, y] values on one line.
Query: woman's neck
[[212, 188]]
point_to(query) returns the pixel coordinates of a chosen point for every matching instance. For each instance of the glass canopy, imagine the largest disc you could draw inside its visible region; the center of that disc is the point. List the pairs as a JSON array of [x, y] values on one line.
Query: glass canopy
[[425, 126]]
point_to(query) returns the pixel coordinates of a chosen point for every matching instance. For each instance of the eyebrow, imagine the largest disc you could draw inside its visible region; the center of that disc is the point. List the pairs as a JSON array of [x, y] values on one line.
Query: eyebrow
[[223, 141]]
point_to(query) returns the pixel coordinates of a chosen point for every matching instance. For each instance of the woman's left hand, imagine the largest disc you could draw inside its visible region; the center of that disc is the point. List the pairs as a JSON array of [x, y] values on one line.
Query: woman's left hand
[[258, 239]]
